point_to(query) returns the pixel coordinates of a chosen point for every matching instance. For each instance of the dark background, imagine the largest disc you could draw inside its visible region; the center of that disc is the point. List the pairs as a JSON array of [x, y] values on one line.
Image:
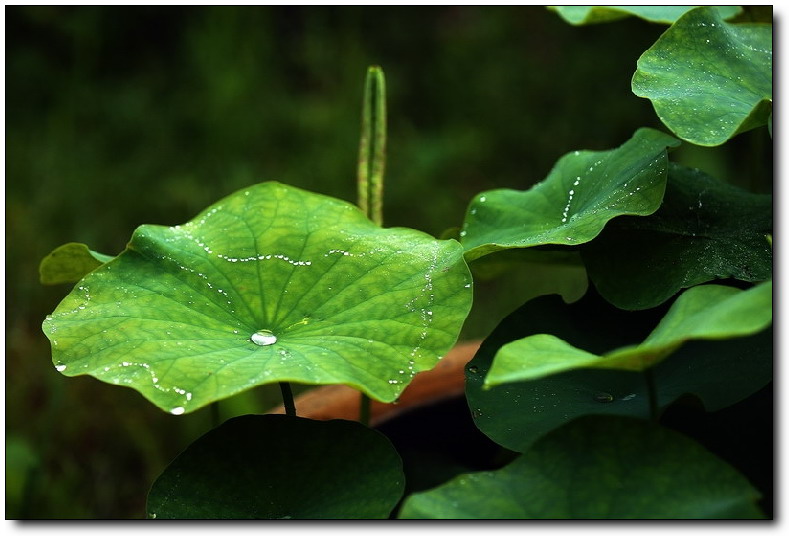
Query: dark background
[[119, 116]]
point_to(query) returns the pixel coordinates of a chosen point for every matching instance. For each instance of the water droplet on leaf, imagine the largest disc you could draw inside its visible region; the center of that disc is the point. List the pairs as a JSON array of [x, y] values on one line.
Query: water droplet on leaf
[[177, 411], [604, 397], [263, 337]]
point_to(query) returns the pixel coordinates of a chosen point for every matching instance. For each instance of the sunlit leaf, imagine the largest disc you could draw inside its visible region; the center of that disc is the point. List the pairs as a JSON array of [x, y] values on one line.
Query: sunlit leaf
[[705, 230], [708, 79], [579, 15], [280, 467], [702, 312], [69, 263], [598, 468], [583, 191], [271, 284], [718, 372]]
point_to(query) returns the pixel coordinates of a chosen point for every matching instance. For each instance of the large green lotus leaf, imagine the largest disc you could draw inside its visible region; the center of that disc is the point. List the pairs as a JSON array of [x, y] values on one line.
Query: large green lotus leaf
[[718, 372], [583, 191], [703, 312], [271, 284], [580, 15], [598, 468], [705, 229], [69, 263], [707, 79], [281, 467]]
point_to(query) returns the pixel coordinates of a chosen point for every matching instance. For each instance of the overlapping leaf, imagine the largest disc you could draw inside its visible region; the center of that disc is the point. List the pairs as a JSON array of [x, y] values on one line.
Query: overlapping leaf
[[583, 191], [280, 467], [708, 79], [704, 230], [270, 284], [702, 312], [579, 15], [69, 263], [719, 373], [598, 468]]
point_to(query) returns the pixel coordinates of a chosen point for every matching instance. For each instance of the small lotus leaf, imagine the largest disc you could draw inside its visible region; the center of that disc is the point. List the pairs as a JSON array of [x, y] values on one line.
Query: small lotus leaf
[[281, 467], [598, 468], [583, 191], [708, 79]]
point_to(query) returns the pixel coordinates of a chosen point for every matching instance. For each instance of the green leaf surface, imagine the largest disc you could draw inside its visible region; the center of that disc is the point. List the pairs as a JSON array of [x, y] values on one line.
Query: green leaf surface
[[598, 468], [69, 263], [707, 79], [583, 191], [703, 312], [705, 230], [280, 467], [718, 372], [580, 15], [271, 284]]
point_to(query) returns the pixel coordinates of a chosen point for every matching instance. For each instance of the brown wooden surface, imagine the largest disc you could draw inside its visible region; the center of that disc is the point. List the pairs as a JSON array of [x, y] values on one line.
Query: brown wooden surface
[[342, 402]]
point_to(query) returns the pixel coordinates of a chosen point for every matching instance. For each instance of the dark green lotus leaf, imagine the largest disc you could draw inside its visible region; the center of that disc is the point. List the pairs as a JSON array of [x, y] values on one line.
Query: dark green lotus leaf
[[703, 312], [719, 373], [281, 467], [69, 263], [583, 191], [271, 284], [707, 79], [580, 15], [705, 230], [598, 468]]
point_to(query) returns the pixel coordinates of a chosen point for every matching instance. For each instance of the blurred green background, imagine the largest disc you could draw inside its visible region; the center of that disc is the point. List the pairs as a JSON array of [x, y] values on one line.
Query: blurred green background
[[119, 116]]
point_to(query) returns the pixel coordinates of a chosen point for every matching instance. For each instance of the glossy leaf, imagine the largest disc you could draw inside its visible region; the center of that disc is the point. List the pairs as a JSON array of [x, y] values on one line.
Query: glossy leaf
[[271, 284], [69, 263], [708, 79], [279, 467], [703, 312], [583, 191], [719, 373], [598, 468], [705, 230], [579, 15]]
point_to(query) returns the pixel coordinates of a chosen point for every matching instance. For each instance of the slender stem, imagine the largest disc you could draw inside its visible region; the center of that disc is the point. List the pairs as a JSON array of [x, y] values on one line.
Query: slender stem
[[372, 146], [287, 399], [364, 409], [652, 393], [371, 167]]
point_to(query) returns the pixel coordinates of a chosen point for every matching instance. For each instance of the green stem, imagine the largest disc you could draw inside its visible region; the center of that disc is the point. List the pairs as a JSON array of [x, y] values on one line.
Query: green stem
[[372, 146], [364, 409], [287, 399]]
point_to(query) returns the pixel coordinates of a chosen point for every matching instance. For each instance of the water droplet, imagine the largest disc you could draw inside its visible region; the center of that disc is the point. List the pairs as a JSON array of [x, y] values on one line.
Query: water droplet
[[477, 413], [263, 337], [153, 516], [177, 411], [60, 368], [631, 396], [603, 397], [473, 369]]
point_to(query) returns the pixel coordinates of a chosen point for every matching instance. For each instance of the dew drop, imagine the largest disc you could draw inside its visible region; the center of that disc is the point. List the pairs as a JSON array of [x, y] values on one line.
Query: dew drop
[[60, 368], [177, 411], [473, 369], [603, 397], [263, 337]]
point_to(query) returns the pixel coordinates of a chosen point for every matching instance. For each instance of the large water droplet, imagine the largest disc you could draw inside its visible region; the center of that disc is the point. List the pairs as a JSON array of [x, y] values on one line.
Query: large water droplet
[[177, 411], [60, 368], [263, 337], [604, 397]]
